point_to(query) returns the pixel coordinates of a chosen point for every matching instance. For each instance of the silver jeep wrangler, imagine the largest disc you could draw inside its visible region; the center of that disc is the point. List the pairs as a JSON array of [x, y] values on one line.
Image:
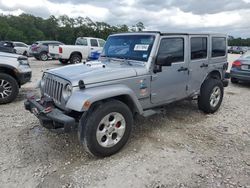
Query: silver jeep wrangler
[[137, 73]]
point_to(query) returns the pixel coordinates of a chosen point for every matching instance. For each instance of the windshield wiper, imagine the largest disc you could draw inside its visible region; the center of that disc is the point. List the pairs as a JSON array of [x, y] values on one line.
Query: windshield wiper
[[124, 59]]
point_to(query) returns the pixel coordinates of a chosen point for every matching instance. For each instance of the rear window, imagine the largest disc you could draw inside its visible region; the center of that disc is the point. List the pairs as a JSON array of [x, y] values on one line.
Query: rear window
[[218, 46], [81, 41], [198, 48]]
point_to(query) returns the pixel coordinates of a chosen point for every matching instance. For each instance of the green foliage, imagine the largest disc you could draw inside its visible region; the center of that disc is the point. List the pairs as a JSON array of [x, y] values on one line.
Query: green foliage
[[238, 41], [28, 28]]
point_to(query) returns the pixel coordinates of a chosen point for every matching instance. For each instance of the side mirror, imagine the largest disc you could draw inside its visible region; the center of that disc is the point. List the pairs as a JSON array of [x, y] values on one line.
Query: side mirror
[[163, 60]]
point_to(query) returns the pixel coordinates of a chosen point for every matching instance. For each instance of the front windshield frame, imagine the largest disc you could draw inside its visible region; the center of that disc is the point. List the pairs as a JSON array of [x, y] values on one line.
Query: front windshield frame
[[138, 47]]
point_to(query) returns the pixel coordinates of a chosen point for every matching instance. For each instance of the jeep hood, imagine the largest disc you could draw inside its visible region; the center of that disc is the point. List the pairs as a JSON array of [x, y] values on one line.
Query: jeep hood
[[94, 72]]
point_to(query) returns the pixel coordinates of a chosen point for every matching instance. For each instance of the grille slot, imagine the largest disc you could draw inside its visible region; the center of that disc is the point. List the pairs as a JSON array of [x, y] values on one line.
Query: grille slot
[[53, 88]]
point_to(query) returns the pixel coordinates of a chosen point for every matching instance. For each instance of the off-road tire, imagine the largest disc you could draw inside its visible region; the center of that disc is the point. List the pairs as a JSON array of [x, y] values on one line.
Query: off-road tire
[[14, 88], [75, 58], [205, 95], [64, 61], [43, 56], [234, 80], [90, 122]]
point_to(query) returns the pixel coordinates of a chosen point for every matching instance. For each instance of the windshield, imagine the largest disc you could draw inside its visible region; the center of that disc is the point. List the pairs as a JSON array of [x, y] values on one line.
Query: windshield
[[132, 47]]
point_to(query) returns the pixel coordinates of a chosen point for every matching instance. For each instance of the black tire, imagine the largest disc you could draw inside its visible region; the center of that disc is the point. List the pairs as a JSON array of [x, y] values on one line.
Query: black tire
[[90, 124], [8, 95], [204, 100], [75, 58], [43, 56], [64, 61], [234, 80], [37, 58]]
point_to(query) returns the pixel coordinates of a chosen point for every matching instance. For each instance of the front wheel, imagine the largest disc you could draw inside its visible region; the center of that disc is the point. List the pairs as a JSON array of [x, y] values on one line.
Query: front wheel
[[106, 129], [8, 88], [211, 95]]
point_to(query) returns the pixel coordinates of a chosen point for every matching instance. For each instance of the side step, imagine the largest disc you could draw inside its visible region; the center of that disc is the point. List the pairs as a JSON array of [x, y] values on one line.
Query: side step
[[154, 111]]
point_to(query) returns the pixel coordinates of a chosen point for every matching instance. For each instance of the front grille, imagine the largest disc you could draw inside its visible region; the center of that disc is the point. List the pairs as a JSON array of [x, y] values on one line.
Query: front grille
[[53, 88]]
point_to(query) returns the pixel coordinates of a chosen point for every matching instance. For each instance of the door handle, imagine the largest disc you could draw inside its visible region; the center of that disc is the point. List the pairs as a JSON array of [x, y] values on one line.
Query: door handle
[[183, 69], [204, 65], [92, 48]]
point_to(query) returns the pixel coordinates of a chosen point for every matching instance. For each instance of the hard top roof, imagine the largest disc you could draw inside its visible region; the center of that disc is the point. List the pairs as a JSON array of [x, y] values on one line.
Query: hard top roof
[[172, 33]]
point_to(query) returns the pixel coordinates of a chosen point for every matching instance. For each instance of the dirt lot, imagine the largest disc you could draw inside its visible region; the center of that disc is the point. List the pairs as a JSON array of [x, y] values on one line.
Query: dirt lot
[[182, 148]]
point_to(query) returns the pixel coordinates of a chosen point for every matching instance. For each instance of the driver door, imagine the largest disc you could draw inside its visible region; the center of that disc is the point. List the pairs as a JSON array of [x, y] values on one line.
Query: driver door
[[171, 83]]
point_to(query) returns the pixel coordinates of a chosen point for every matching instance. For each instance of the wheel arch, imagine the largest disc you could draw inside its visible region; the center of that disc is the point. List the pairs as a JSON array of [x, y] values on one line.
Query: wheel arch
[[80, 98], [10, 71], [76, 53]]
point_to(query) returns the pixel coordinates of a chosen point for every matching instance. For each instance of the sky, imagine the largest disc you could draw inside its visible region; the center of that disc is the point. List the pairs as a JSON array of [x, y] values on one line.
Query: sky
[[224, 16]]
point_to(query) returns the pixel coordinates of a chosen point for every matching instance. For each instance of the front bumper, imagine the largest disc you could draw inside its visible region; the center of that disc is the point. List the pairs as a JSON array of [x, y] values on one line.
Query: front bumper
[[24, 77], [49, 116]]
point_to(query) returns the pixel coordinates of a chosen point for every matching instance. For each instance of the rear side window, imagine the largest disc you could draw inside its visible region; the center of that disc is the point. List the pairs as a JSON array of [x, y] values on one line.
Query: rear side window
[[93, 42], [218, 46], [172, 47], [198, 48]]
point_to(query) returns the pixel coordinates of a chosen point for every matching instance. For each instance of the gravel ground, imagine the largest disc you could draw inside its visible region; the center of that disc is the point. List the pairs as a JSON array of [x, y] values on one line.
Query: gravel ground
[[181, 148]]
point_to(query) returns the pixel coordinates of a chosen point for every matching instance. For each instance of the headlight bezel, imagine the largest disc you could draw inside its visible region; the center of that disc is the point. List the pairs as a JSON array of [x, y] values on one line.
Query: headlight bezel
[[67, 91]]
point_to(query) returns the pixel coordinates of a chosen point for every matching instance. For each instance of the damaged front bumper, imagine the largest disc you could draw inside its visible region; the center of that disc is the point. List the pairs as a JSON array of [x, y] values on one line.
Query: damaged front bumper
[[49, 116]]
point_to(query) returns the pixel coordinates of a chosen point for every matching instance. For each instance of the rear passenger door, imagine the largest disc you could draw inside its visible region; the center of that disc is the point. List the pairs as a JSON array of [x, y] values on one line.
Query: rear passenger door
[[198, 61], [94, 45]]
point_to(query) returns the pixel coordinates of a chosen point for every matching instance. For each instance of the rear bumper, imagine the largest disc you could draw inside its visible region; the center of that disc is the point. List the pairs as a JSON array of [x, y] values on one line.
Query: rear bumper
[[49, 116], [240, 75]]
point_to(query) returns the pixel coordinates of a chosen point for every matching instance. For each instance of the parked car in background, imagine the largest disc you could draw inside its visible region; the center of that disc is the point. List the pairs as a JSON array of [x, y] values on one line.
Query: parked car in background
[[21, 48], [14, 72], [7, 46], [76, 53], [40, 49], [237, 50], [240, 70]]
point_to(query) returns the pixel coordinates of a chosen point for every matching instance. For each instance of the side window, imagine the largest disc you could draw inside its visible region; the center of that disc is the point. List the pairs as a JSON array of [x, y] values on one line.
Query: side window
[[101, 42], [82, 41], [218, 46], [93, 42], [198, 48], [172, 47]]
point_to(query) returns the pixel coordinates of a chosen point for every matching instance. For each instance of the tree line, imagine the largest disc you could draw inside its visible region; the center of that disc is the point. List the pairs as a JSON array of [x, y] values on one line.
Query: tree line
[[28, 28]]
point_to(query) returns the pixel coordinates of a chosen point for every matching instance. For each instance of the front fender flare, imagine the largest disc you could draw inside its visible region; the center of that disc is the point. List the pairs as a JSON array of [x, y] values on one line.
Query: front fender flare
[[92, 95]]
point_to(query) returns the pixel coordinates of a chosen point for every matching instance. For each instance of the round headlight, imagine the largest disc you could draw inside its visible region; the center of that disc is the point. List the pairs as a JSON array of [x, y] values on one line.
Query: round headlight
[[42, 82], [67, 91]]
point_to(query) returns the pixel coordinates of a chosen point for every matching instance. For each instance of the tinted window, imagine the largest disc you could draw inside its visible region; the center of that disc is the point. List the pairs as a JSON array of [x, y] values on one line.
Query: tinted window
[[172, 47], [101, 43], [198, 48], [218, 46], [82, 41], [93, 42]]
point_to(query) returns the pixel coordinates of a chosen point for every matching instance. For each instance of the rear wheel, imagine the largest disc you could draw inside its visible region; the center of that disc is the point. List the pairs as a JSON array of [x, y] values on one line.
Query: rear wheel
[[106, 129], [211, 95], [25, 53], [8, 88], [43, 56], [234, 80], [75, 58]]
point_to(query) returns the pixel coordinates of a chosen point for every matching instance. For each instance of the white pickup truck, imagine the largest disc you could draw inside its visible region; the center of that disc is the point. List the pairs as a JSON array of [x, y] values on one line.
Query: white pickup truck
[[78, 52]]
